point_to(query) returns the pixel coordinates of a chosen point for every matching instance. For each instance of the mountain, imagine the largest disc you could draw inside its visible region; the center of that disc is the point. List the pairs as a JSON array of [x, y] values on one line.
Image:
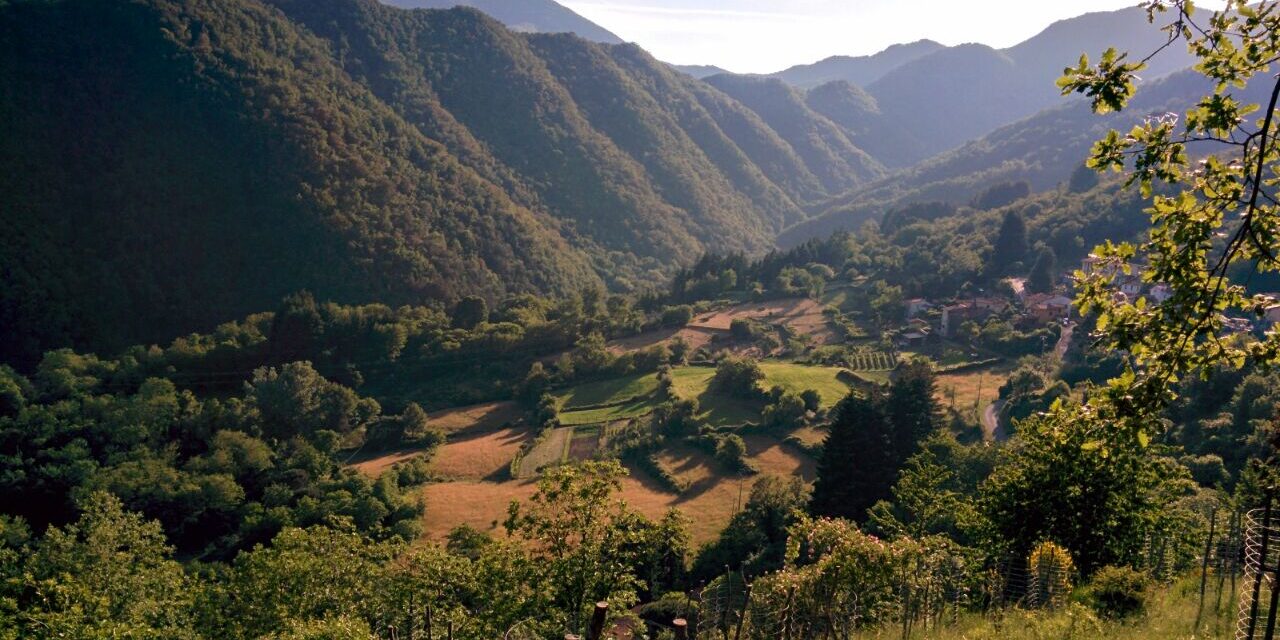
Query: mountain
[[859, 70], [529, 16], [169, 165], [961, 93], [1044, 150], [921, 99], [865, 125], [824, 148], [172, 164], [699, 70]]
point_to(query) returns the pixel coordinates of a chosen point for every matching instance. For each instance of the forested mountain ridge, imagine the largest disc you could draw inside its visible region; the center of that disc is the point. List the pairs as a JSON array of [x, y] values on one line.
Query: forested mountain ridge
[[923, 98], [533, 16], [1044, 150], [360, 151], [858, 70], [824, 148], [167, 164]]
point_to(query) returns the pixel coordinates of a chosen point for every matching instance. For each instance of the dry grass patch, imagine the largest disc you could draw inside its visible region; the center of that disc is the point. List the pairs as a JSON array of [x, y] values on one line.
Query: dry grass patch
[[694, 336], [811, 436], [800, 315], [480, 504], [971, 391], [488, 416], [480, 455], [771, 457], [375, 466]]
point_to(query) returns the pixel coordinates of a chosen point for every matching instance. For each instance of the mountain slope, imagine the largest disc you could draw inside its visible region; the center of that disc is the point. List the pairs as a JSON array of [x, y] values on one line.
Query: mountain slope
[[204, 158], [169, 165], [823, 147], [860, 70], [531, 16], [1043, 150], [699, 71], [866, 126]]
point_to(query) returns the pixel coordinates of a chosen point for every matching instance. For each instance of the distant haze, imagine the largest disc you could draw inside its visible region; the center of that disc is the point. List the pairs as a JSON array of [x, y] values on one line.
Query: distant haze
[[762, 36]]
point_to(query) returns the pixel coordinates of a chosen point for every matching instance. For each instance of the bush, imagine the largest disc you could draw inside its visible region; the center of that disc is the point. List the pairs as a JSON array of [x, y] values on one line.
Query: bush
[[731, 452], [740, 377], [1117, 592]]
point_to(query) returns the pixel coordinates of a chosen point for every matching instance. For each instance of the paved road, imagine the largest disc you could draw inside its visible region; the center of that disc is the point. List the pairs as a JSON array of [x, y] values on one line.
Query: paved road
[[991, 428]]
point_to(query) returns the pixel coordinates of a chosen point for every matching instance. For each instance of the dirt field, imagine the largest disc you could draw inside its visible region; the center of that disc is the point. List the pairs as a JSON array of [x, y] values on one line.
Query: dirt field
[[965, 387], [373, 467], [697, 338], [548, 452], [584, 445], [478, 417], [477, 442], [810, 435], [801, 315], [480, 504], [480, 455], [710, 501]]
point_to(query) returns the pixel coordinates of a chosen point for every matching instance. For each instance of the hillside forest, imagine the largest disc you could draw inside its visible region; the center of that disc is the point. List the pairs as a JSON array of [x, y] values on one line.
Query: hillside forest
[[340, 320]]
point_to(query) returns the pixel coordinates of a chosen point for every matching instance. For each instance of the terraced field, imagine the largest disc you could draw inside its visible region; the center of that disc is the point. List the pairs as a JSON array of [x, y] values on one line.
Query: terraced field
[[873, 361], [551, 451]]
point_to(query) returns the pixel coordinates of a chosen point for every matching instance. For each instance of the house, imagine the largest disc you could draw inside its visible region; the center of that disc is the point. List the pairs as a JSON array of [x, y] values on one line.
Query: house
[[1109, 268], [1160, 292], [1046, 308], [913, 339], [917, 306], [919, 325], [957, 314], [1237, 325], [1131, 286]]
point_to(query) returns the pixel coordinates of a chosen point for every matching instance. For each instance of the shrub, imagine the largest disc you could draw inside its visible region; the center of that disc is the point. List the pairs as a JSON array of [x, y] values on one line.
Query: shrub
[[731, 451], [812, 399], [1051, 568], [738, 377], [1117, 592]]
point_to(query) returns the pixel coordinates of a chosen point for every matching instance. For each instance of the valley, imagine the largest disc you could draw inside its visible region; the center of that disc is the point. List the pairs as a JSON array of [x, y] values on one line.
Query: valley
[[411, 319]]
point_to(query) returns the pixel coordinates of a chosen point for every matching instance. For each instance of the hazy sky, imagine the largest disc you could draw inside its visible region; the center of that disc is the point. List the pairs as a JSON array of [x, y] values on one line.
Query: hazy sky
[[768, 35]]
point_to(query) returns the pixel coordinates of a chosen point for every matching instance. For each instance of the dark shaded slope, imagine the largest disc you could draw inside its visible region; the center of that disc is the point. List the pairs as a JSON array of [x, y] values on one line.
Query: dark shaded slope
[[873, 131], [637, 121], [169, 165]]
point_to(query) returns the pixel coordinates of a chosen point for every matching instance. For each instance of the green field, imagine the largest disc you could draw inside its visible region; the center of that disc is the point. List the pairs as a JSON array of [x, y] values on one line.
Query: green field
[[719, 410], [798, 377], [634, 396], [633, 409], [607, 392]]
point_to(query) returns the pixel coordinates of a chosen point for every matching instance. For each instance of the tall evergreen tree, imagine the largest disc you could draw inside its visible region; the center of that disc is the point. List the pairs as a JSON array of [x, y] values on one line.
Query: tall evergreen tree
[[870, 440], [1040, 279], [857, 467], [912, 409], [1011, 244]]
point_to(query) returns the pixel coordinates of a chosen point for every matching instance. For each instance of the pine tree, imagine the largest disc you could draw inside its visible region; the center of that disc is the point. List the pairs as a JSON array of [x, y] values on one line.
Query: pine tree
[[857, 467], [870, 441], [1010, 245], [1040, 279], [912, 409]]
